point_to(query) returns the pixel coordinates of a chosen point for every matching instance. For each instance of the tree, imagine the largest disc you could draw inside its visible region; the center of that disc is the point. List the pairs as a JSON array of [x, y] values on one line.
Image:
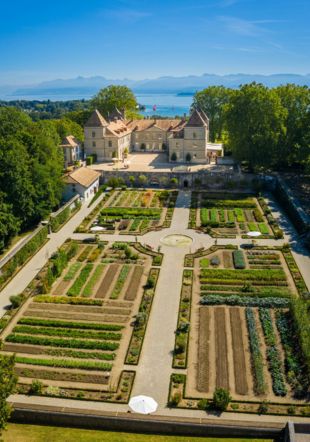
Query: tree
[[221, 399], [8, 382], [9, 224], [188, 157], [174, 182], [294, 148], [142, 179], [132, 180], [112, 97], [173, 156], [256, 123], [212, 101]]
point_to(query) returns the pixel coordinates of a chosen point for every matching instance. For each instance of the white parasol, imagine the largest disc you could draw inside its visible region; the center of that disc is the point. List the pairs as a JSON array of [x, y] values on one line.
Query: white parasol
[[97, 229], [143, 404], [254, 234]]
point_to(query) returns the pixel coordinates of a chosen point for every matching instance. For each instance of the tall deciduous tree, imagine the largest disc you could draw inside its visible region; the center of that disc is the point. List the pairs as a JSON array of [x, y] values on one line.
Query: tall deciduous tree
[[112, 97], [294, 147], [212, 101], [256, 123]]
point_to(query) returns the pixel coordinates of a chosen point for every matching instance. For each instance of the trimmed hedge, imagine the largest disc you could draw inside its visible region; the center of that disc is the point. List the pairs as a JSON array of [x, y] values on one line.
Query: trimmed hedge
[[28, 250]]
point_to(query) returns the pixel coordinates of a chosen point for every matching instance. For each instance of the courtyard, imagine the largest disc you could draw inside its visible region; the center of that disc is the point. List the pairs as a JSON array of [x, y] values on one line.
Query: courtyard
[[155, 162]]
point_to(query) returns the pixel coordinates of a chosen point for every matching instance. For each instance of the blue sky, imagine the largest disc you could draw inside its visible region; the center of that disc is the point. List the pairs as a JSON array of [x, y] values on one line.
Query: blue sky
[[42, 40]]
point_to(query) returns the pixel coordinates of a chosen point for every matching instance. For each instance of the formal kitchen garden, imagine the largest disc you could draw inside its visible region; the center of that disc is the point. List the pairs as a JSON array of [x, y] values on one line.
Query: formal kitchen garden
[[243, 327], [131, 212], [81, 319], [228, 215]]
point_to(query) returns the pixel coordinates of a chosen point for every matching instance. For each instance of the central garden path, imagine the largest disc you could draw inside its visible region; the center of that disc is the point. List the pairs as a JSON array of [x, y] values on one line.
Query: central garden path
[[155, 363]]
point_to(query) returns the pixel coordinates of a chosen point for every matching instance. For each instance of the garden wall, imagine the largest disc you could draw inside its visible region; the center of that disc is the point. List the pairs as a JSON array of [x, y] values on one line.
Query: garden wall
[[206, 179], [291, 204], [140, 424]]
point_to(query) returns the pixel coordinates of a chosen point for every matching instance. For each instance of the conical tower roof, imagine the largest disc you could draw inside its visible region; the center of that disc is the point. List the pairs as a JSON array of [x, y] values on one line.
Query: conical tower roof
[[96, 120]]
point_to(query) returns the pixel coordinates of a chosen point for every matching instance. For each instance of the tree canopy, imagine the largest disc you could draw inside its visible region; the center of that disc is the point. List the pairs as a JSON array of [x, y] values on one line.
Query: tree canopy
[[212, 101], [255, 121], [30, 174], [112, 97]]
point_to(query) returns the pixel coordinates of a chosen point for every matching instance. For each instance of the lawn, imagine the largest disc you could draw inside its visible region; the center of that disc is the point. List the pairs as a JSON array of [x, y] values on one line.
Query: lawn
[[36, 433]]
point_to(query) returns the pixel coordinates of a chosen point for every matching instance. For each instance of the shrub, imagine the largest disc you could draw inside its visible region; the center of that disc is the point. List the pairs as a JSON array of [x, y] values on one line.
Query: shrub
[[175, 400], [17, 300], [221, 399], [263, 408], [36, 387], [238, 258]]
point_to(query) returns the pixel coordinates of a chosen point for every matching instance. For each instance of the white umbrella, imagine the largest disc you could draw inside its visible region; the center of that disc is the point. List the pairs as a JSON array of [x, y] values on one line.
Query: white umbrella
[[254, 234], [97, 229], [143, 404]]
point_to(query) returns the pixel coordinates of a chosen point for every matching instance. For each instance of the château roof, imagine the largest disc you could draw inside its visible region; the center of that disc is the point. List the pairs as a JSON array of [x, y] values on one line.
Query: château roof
[[117, 128], [84, 176], [197, 119], [163, 124], [69, 141], [96, 120]]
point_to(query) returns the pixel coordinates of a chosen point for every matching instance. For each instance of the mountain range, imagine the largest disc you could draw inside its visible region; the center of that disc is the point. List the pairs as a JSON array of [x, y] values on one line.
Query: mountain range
[[85, 87]]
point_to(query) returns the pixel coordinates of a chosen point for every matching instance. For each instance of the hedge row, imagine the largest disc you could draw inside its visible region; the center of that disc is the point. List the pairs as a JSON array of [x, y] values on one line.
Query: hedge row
[[59, 220], [80, 354], [28, 250]]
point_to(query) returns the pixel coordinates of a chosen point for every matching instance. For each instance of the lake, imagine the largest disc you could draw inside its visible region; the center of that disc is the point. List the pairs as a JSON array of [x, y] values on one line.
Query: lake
[[167, 105]]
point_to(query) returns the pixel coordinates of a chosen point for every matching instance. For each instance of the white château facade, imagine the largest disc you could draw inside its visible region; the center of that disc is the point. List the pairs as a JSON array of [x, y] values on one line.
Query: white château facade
[[183, 140]]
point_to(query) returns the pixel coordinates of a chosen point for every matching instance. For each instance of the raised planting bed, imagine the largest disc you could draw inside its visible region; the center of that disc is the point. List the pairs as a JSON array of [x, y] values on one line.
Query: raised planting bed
[[141, 320], [183, 325]]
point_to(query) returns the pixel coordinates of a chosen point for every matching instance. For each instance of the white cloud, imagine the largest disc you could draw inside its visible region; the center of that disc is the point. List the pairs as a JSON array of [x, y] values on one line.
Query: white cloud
[[250, 28]]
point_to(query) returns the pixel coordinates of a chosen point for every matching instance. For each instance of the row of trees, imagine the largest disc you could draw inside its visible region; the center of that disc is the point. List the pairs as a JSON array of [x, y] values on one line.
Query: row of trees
[[31, 168], [265, 127]]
